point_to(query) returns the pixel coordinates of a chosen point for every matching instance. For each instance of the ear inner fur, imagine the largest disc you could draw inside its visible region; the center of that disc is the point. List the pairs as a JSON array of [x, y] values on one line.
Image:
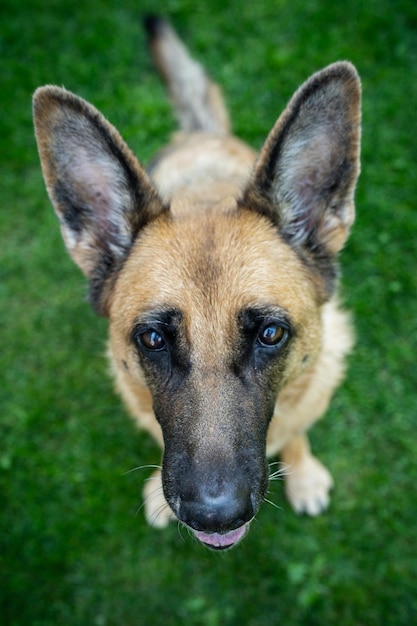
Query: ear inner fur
[[101, 194], [306, 173]]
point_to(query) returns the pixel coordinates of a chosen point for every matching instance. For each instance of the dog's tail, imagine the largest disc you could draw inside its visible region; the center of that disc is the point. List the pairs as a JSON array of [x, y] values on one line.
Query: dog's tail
[[197, 100]]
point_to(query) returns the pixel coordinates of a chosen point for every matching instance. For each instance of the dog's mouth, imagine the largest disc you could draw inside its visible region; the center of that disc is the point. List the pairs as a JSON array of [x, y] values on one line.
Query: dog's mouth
[[222, 541]]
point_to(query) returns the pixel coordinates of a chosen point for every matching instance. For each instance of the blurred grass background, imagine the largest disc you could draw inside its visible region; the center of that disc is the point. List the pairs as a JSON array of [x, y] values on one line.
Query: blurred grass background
[[74, 547]]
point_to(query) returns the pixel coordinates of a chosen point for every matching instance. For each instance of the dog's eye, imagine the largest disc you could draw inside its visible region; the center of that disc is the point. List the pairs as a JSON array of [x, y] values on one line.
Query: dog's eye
[[273, 335], [152, 340]]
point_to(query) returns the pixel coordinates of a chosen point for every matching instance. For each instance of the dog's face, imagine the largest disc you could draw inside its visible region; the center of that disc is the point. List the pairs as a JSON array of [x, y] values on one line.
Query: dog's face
[[215, 337], [213, 310]]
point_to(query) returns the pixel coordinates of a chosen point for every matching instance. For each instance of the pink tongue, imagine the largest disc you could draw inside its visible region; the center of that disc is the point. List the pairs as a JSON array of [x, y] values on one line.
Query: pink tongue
[[219, 540]]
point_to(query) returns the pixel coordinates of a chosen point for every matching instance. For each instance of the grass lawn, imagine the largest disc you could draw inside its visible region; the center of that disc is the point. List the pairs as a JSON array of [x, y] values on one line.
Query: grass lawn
[[74, 546]]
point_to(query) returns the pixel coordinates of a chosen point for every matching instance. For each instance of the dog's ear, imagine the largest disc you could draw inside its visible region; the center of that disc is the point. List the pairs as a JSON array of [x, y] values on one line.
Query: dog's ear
[[305, 176], [101, 194]]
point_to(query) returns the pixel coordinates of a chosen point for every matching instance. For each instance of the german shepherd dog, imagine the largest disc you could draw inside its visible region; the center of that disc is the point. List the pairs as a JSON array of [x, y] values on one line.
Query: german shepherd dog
[[217, 269]]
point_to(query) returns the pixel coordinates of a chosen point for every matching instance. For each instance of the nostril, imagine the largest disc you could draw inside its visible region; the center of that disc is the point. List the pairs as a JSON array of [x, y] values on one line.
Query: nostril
[[228, 510]]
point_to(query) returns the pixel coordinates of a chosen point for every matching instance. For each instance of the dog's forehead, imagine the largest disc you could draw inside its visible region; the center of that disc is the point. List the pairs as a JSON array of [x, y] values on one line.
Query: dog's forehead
[[211, 266]]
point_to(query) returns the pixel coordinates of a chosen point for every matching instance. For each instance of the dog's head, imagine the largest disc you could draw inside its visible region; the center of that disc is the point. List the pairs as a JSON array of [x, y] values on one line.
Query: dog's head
[[215, 310]]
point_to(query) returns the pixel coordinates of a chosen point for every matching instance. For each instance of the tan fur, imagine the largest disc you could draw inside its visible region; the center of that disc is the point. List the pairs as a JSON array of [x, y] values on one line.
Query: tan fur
[[198, 101], [213, 233], [326, 330]]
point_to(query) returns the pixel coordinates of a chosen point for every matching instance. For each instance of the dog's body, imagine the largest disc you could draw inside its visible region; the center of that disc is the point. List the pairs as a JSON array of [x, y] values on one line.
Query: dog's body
[[218, 274]]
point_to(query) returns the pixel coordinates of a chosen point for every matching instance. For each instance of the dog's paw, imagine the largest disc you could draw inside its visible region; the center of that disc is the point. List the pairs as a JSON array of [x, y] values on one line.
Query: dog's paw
[[157, 511], [308, 484]]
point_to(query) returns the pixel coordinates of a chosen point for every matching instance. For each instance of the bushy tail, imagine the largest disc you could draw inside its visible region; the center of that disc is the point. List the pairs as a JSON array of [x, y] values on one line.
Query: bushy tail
[[197, 100]]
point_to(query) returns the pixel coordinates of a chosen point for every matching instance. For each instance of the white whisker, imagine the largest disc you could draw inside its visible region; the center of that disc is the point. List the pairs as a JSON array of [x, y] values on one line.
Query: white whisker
[[157, 513], [180, 526], [273, 504], [283, 470], [149, 478], [141, 467], [155, 493]]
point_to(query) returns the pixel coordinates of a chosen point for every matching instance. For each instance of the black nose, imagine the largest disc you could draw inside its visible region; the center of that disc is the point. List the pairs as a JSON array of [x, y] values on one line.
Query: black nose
[[220, 509]]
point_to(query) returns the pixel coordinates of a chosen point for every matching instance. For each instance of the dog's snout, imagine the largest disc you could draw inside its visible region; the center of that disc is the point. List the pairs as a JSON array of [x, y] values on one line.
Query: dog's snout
[[221, 510]]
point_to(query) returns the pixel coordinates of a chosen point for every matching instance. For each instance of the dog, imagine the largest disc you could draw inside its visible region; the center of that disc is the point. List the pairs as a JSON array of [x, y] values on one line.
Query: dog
[[217, 269]]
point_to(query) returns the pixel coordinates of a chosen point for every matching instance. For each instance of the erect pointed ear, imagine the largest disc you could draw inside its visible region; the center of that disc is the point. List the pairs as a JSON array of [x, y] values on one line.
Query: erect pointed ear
[[305, 177], [100, 193]]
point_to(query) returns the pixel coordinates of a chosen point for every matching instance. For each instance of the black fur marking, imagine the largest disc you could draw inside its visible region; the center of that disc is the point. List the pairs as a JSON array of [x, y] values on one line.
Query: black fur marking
[[166, 368], [153, 25], [73, 213], [252, 358], [101, 281], [316, 258]]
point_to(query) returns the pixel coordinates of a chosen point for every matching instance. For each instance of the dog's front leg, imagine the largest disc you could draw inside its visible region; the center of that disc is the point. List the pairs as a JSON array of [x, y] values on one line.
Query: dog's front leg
[[308, 482]]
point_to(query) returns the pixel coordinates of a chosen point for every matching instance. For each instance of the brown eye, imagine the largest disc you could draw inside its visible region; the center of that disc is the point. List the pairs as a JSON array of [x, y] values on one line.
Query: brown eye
[[273, 335], [152, 340]]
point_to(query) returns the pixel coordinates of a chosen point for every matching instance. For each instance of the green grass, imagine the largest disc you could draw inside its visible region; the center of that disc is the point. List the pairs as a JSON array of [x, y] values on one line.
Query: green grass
[[74, 549]]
